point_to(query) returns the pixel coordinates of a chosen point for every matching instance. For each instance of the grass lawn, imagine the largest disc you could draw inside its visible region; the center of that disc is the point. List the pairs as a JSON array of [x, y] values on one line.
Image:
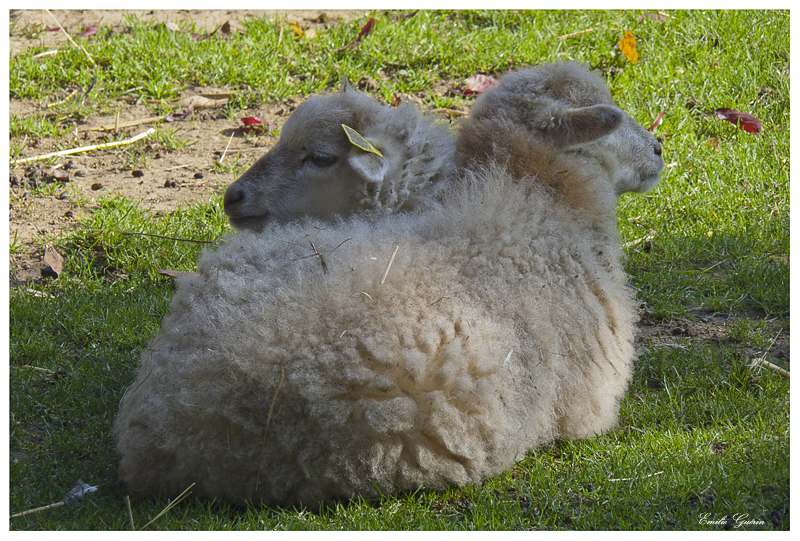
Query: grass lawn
[[703, 435]]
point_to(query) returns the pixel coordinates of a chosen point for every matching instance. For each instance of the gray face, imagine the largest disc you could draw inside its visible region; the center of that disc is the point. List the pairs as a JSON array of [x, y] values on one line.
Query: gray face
[[307, 173]]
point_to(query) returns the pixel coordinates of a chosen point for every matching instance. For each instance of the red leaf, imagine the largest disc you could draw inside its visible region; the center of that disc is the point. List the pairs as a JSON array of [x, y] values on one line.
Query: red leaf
[[746, 122], [88, 31], [256, 123], [365, 31], [251, 120]]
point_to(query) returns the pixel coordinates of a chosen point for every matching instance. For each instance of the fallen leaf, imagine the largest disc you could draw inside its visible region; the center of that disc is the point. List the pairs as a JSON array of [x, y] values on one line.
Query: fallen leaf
[[181, 114], [257, 124], [365, 31], [628, 46], [88, 31], [746, 122], [478, 83], [224, 29], [475, 85], [252, 120], [394, 99], [54, 263], [298, 30]]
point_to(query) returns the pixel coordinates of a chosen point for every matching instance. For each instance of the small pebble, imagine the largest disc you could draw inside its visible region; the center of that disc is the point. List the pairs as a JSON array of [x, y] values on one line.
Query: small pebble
[[62, 196], [137, 173], [96, 186], [171, 184], [80, 173], [199, 175]]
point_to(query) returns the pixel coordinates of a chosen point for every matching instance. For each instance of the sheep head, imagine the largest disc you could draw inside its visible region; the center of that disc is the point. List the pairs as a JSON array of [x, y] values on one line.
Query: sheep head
[[558, 123], [338, 155]]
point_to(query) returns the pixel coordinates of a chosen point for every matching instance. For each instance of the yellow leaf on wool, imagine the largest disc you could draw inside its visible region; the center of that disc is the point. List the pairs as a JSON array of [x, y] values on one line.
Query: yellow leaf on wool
[[628, 46], [358, 140]]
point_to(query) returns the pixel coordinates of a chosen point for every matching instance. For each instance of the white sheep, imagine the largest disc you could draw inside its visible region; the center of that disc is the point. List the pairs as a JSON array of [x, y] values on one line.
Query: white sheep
[[315, 361], [317, 170]]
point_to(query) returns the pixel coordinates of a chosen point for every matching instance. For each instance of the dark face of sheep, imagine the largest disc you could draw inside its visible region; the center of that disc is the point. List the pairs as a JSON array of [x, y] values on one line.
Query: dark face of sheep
[[315, 170]]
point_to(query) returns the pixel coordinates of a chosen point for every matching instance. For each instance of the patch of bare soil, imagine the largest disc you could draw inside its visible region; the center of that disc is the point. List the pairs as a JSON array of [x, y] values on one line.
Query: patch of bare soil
[[716, 329]]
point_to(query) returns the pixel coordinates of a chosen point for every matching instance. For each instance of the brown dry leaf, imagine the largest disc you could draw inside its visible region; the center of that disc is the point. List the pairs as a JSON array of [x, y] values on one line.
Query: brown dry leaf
[[628, 46], [54, 263], [394, 101], [478, 83], [745, 121], [201, 102]]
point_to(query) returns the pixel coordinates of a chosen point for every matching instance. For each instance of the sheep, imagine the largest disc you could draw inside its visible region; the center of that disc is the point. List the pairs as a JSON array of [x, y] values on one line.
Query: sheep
[[320, 168], [311, 361]]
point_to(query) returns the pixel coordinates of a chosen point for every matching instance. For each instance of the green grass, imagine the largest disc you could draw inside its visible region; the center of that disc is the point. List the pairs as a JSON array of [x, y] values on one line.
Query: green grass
[[701, 436]]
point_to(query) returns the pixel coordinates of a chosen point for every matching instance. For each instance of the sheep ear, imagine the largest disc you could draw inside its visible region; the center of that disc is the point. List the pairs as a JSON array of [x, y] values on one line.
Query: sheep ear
[[346, 86], [586, 124], [373, 167]]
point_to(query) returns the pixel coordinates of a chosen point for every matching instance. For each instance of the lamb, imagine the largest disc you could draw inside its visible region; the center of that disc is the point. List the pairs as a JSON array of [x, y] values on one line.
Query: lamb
[[315, 361], [341, 154]]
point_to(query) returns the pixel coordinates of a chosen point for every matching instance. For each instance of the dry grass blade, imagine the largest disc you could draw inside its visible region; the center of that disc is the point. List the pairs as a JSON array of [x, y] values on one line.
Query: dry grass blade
[[172, 504], [101, 146], [70, 38], [154, 235], [269, 420], [118, 125], [389, 266]]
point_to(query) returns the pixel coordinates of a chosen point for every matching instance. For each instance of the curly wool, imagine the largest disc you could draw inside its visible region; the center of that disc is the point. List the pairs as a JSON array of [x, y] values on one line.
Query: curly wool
[[503, 321]]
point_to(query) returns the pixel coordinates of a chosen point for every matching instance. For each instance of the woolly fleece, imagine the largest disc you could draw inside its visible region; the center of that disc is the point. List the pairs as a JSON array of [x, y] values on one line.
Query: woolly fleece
[[504, 321]]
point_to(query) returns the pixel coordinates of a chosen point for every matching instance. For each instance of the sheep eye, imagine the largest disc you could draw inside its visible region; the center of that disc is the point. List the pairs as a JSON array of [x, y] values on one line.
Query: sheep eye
[[322, 160]]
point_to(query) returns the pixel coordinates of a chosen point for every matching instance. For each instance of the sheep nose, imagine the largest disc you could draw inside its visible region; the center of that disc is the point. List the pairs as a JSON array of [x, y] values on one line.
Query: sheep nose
[[233, 196], [657, 148]]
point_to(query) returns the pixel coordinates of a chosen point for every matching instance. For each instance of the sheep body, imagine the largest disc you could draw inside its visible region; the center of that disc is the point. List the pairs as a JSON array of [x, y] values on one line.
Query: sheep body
[[504, 321], [388, 386]]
